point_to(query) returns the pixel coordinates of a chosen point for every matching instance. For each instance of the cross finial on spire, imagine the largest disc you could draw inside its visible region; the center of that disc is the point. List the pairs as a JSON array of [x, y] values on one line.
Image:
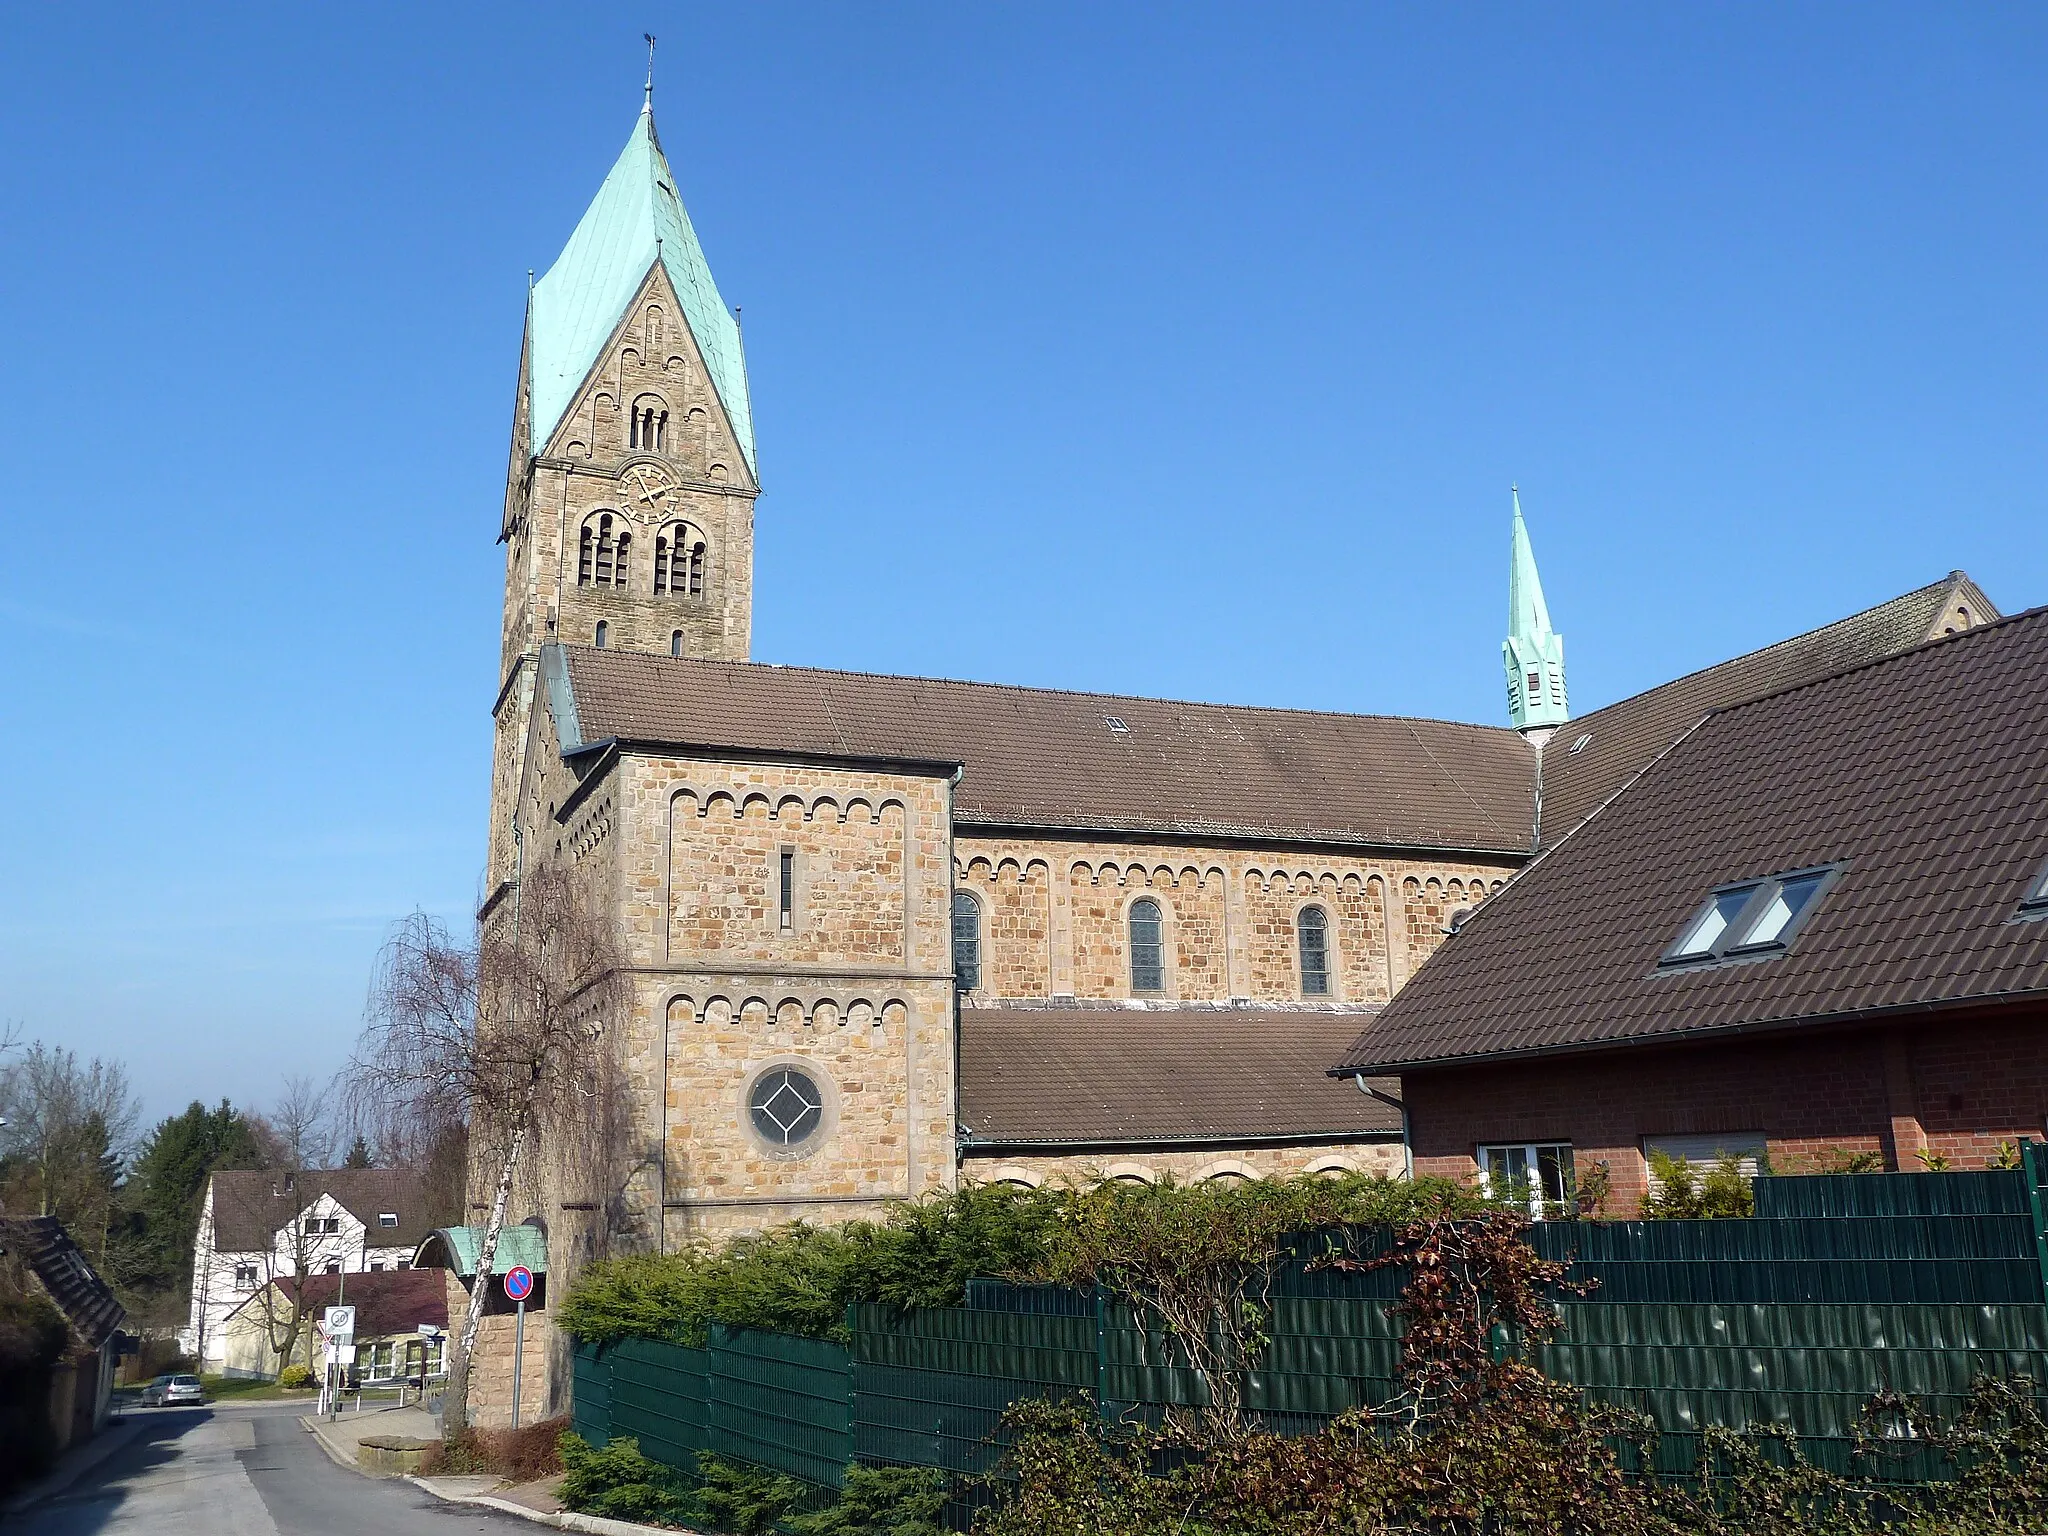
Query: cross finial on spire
[[648, 105]]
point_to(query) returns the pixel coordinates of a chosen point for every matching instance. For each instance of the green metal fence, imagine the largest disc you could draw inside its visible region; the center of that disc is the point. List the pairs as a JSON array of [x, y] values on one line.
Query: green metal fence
[[782, 1402], [1837, 1289]]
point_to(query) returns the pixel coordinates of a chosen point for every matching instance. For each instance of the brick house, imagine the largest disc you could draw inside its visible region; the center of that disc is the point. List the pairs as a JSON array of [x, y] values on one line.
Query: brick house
[[1816, 925]]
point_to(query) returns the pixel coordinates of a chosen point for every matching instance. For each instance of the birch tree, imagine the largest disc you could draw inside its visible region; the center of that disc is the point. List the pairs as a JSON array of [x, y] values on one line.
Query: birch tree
[[506, 1035]]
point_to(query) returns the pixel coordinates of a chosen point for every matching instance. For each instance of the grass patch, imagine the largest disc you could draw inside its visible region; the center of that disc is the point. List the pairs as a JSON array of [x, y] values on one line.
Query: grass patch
[[249, 1389]]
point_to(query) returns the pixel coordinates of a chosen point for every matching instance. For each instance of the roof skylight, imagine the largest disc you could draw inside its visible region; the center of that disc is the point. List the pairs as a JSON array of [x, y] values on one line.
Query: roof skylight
[[1116, 724], [1750, 920], [2035, 902]]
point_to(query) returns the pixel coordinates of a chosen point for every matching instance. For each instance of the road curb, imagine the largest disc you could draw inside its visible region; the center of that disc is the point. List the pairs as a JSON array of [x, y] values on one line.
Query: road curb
[[565, 1520], [310, 1424]]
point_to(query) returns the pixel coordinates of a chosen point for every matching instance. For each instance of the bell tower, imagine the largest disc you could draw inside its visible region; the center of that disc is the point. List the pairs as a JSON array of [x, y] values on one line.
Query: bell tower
[[629, 497]]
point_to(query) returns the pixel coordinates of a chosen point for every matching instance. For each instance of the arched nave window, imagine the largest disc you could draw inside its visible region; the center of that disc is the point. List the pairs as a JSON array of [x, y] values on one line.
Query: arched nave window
[[1312, 927], [1148, 947], [966, 942]]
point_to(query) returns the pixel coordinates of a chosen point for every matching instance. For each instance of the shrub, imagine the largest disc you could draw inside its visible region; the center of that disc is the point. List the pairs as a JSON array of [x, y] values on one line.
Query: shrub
[[880, 1501], [620, 1483], [32, 1335], [1684, 1193], [295, 1376], [518, 1455], [744, 1500], [801, 1279]]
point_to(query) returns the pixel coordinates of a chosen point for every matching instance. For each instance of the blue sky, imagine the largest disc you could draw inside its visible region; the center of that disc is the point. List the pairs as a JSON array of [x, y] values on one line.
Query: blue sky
[[1179, 349]]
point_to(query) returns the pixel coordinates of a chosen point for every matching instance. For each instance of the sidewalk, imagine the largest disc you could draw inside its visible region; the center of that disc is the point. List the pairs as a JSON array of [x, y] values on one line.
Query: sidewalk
[[342, 1436], [73, 1465]]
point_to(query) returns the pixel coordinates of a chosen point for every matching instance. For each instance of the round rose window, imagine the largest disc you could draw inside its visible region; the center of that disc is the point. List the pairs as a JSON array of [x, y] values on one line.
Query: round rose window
[[786, 1106]]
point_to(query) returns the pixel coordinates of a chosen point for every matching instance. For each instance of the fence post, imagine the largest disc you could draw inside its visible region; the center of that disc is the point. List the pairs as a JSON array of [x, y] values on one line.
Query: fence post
[[2034, 1169], [1101, 1357]]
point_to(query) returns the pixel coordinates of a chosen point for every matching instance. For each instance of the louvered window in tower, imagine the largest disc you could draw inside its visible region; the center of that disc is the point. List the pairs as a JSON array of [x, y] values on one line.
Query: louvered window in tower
[[679, 561], [604, 554], [647, 426]]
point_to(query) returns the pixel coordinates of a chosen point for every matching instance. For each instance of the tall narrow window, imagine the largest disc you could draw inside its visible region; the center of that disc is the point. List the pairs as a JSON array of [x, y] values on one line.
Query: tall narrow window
[[787, 896], [1148, 949], [675, 642], [603, 634], [1313, 929], [966, 942]]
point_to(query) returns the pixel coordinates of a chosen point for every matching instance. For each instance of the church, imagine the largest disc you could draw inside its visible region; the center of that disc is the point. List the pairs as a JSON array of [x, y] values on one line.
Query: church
[[887, 934]]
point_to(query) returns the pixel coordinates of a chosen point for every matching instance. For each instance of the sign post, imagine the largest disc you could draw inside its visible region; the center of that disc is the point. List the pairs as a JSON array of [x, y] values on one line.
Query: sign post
[[338, 1324], [518, 1286]]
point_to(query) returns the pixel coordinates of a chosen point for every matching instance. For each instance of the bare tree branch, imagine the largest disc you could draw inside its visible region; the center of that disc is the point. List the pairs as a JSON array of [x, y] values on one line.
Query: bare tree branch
[[507, 1037]]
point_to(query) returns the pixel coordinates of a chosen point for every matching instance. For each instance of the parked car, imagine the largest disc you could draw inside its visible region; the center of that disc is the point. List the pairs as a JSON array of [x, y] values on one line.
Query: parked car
[[165, 1391]]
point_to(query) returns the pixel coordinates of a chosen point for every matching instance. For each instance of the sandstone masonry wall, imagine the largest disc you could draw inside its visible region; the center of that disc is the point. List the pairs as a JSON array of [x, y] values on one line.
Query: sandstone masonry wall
[[1054, 915]]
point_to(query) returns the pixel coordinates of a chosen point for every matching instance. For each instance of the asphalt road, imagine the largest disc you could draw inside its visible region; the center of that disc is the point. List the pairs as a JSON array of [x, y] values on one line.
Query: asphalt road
[[243, 1471]]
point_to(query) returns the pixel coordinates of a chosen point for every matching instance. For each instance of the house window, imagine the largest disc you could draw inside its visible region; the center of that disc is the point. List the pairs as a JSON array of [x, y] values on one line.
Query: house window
[[966, 942], [376, 1265], [245, 1277], [604, 552], [1705, 1152], [387, 1218], [1535, 1174], [1312, 928], [1148, 948], [679, 561], [1750, 920], [333, 1267], [333, 1224]]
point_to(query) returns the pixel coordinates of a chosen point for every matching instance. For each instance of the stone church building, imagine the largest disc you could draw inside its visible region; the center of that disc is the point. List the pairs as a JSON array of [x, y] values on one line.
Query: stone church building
[[888, 933]]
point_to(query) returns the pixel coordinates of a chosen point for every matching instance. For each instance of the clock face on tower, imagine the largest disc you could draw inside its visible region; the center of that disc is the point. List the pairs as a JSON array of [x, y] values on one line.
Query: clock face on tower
[[648, 493]]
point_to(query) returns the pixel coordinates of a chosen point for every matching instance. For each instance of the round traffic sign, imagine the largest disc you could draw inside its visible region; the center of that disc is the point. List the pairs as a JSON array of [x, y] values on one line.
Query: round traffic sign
[[518, 1282]]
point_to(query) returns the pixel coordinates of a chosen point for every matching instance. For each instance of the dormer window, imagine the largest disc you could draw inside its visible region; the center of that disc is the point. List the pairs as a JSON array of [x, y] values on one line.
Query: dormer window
[[2034, 904], [1750, 920]]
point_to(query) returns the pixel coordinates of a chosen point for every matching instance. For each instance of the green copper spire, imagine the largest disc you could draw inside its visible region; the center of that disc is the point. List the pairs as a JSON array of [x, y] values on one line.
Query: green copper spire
[[1533, 653], [635, 220]]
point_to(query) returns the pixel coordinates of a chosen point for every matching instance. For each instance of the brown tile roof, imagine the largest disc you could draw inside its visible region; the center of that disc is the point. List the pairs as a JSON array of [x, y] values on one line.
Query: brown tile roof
[[1926, 775], [72, 1283], [1035, 757], [1056, 1076], [1624, 736], [387, 1301], [250, 1205]]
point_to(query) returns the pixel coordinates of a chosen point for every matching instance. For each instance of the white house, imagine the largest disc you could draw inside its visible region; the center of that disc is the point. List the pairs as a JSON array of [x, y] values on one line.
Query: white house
[[256, 1227]]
